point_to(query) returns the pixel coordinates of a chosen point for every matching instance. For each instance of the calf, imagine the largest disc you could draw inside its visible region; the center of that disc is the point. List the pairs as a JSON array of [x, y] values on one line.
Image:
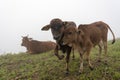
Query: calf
[[98, 31], [57, 27], [86, 37], [34, 46]]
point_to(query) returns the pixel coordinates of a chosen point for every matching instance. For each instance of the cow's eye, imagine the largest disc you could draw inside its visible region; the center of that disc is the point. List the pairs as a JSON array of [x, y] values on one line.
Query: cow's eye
[[69, 33]]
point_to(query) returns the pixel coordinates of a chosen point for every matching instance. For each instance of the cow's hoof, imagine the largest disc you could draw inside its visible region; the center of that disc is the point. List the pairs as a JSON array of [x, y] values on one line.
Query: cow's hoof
[[91, 68], [79, 73], [106, 63], [73, 58], [99, 60], [61, 57], [67, 73]]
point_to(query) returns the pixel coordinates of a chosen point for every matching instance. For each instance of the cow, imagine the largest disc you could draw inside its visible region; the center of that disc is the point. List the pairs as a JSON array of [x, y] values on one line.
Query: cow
[[85, 37], [103, 30], [57, 27], [34, 46]]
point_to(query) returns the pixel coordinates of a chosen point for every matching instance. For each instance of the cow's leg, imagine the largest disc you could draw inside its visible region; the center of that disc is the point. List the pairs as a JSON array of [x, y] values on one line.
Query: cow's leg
[[56, 53], [88, 59], [104, 39], [67, 60], [73, 56], [81, 63], [100, 51], [105, 49]]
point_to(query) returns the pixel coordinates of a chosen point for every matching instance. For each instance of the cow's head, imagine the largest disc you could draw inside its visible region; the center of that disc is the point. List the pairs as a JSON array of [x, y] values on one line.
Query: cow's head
[[69, 35], [57, 28], [25, 40], [72, 35]]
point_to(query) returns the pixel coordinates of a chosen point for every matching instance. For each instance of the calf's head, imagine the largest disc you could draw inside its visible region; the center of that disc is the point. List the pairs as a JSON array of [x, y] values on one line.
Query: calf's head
[[25, 40], [57, 28], [69, 35], [72, 35]]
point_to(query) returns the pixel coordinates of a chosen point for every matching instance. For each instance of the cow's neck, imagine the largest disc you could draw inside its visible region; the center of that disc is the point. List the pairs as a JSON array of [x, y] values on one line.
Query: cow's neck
[[80, 43]]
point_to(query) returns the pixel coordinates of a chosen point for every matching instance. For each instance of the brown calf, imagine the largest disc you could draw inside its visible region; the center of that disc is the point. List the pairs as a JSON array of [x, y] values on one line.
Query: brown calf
[[34, 46], [57, 27], [86, 37]]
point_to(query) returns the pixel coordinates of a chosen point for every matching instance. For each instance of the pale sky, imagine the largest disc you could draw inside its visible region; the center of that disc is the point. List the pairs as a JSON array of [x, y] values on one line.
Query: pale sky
[[21, 17]]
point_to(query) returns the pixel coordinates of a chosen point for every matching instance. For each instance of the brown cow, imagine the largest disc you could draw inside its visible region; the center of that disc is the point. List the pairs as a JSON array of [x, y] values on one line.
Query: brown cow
[[57, 27], [86, 37], [34, 46], [102, 31]]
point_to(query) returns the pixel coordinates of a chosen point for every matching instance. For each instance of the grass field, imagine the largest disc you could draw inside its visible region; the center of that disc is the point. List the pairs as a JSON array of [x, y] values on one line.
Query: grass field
[[46, 66]]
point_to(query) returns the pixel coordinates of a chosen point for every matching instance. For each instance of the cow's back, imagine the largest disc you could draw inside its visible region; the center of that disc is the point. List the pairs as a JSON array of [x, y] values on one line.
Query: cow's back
[[47, 46], [103, 27], [41, 46], [92, 32]]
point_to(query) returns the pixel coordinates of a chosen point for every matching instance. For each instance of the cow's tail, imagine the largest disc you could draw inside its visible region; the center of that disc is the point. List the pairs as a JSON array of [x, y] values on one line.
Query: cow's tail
[[112, 34]]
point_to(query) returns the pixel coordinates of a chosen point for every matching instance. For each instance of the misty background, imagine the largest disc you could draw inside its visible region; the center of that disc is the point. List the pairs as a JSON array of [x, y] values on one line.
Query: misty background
[[27, 17]]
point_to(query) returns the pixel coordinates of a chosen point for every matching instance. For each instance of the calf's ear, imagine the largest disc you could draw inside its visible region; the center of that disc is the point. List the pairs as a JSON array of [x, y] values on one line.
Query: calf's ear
[[45, 28], [65, 23], [30, 39], [80, 32]]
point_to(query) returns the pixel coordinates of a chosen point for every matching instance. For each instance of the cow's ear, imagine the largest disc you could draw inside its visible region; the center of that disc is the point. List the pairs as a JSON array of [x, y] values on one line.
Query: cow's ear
[[64, 23], [80, 32], [30, 39], [47, 27]]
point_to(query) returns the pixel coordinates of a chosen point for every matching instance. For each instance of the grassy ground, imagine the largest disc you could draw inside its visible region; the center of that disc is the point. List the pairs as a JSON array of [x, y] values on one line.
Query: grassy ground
[[46, 66]]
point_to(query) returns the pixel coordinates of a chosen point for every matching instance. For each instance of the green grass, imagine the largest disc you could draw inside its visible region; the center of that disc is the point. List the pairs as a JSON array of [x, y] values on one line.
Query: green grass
[[46, 66]]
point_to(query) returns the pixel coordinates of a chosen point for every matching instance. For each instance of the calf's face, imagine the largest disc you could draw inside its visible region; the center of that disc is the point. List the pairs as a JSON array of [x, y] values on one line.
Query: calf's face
[[24, 41], [69, 35], [57, 28]]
